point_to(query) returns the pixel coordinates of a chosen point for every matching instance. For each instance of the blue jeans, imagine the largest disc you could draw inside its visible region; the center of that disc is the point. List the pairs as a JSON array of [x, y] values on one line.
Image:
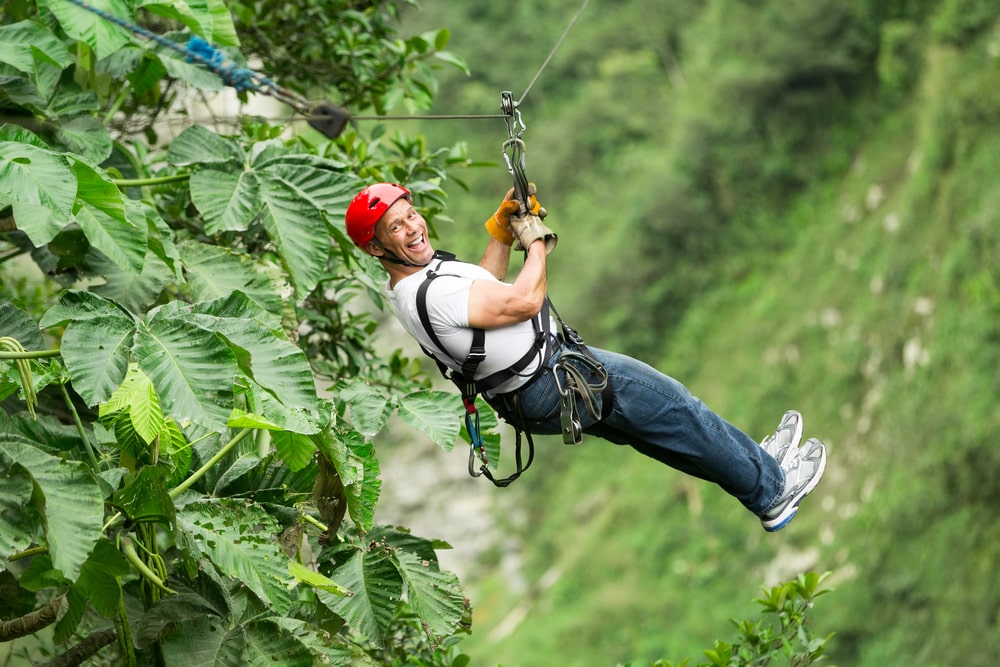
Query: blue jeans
[[658, 416]]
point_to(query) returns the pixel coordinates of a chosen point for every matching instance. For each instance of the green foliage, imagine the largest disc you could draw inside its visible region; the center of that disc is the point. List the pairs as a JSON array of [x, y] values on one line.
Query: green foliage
[[899, 56], [958, 21], [205, 503], [781, 633]]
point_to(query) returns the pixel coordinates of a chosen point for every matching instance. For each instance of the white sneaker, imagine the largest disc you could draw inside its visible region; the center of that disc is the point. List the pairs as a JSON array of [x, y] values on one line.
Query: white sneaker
[[804, 469], [785, 439]]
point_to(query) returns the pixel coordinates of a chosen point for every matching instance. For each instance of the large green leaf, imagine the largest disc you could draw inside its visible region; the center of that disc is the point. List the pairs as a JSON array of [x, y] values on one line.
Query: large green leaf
[[275, 363], [96, 344], [17, 518], [16, 324], [101, 213], [370, 407], [100, 578], [209, 19], [297, 229], [136, 292], [144, 497], [191, 368], [377, 587], [237, 538], [435, 596], [199, 145], [71, 501], [100, 34], [320, 181], [86, 135], [281, 380], [207, 642], [437, 414], [23, 44], [214, 272], [40, 186], [226, 198], [326, 649], [295, 449]]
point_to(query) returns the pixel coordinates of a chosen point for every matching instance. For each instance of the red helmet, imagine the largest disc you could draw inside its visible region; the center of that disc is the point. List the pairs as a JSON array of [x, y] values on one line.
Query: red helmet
[[368, 206]]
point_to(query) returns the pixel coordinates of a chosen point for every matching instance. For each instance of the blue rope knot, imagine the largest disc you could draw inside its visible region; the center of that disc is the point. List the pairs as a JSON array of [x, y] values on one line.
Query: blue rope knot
[[240, 78]]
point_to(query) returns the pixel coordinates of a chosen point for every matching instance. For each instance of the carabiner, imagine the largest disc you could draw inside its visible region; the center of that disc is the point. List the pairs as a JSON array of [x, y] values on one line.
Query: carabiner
[[569, 414]]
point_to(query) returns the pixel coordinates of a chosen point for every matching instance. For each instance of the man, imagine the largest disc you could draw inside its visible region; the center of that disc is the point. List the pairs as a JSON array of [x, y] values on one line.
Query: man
[[526, 365]]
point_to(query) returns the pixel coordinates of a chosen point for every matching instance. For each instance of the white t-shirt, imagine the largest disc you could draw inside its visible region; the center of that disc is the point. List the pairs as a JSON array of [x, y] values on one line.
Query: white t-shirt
[[448, 310]]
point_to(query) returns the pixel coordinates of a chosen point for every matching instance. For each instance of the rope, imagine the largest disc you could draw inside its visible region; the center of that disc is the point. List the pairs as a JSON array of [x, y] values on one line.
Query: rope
[[324, 116], [199, 51]]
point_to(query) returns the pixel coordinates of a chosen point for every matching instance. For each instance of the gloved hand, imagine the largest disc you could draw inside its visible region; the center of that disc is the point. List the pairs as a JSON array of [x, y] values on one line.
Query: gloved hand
[[529, 228], [498, 225]]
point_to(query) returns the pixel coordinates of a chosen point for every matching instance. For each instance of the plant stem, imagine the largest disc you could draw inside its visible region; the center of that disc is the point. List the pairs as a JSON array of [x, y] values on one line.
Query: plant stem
[[128, 550], [318, 524], [183, 486], [28, 553], [153, 180], [79, 429], [29, 354]]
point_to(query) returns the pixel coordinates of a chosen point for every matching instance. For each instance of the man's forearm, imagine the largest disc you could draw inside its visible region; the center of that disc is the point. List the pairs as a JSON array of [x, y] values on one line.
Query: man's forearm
[[496, 258]]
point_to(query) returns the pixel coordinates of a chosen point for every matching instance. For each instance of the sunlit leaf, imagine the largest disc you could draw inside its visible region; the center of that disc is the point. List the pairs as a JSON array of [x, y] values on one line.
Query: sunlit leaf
[[295, 449], [100, 34], [40, 186], [23, 44], [136, 396]]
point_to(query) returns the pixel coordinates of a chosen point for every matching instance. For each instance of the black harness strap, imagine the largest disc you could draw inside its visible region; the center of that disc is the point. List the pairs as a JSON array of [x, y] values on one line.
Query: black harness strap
[[466, 382]]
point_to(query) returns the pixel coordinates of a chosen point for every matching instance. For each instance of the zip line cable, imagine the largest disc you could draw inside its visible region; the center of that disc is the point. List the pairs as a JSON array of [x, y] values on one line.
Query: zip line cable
[[572, 22]]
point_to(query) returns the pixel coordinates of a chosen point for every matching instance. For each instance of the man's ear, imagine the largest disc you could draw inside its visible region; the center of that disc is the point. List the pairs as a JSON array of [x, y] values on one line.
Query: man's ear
[[374, 248]]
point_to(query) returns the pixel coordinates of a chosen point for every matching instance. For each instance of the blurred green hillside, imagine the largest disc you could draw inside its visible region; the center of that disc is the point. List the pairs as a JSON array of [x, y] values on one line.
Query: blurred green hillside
[[782, 204]]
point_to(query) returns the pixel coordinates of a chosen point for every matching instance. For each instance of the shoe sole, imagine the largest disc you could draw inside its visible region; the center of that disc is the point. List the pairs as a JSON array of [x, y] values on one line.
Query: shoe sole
[[780, 521], [796, 434]]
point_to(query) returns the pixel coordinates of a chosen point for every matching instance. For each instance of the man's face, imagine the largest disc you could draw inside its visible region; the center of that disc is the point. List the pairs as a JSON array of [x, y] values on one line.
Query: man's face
[[403, 232]]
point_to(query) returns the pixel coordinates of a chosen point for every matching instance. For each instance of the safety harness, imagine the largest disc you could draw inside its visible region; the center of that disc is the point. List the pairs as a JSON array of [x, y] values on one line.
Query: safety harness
[[573, 361]]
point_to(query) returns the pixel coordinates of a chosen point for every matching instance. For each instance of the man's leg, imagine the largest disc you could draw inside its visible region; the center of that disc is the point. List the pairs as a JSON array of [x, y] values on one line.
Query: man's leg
[[659, 417]]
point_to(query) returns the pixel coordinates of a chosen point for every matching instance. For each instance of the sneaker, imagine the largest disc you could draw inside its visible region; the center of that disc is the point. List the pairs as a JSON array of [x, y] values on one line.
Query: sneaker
[[785, 439], [803, 471]]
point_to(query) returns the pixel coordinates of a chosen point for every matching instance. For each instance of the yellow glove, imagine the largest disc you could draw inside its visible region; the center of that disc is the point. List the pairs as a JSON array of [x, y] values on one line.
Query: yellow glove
[[499, 224]]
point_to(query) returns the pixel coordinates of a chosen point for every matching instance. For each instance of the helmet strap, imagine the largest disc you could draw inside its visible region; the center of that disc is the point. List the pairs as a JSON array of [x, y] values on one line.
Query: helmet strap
[[390, 256]]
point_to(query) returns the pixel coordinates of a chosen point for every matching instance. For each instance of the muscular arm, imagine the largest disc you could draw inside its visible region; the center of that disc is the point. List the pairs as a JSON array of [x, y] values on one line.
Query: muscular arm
[[493, 305], [496, 258]]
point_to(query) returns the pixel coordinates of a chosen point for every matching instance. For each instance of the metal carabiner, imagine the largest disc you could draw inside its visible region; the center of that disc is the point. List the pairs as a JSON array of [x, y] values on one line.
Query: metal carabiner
[[569, 414], [513, 150]]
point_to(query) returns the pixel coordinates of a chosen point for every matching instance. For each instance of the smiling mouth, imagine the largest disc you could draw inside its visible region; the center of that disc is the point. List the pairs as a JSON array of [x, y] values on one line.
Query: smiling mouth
[[416, 243]]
